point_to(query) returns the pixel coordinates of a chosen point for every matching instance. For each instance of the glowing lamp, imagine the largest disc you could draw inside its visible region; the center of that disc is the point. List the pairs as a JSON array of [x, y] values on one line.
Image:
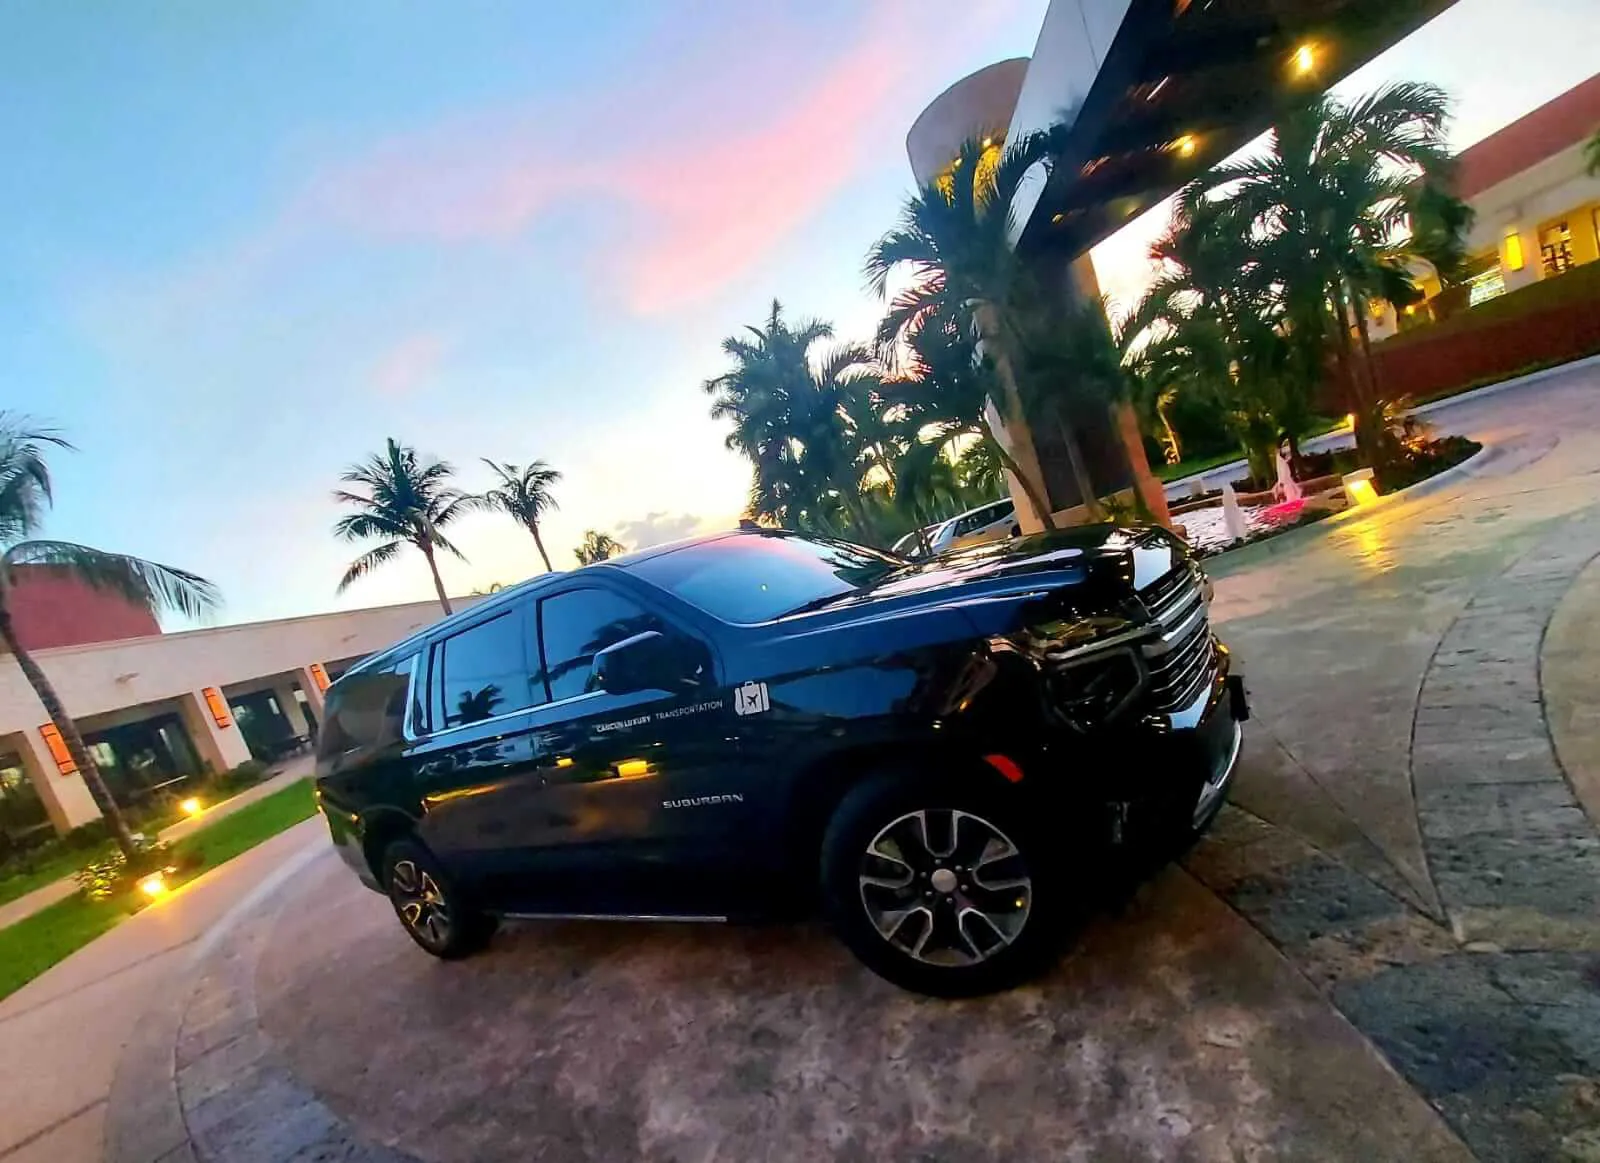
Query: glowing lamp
[[191, 806], [1186, 145], [1350, 420], [1358, 487], [1514, 259], [632, 768], [154, 885], [1305, 59]]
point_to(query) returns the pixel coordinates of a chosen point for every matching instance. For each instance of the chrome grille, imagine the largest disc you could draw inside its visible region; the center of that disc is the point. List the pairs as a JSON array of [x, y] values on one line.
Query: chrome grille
[[1183, 659]]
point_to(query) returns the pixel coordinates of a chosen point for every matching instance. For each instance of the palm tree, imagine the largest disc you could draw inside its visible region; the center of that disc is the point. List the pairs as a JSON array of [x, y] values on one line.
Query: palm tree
[[597, 546], [24, 496], [407, 502], [1330, 200], [809, 435], [525, 494], [955, 236]]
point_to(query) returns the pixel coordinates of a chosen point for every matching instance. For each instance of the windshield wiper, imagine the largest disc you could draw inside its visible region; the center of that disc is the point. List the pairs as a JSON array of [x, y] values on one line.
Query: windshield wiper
[[817, 603]]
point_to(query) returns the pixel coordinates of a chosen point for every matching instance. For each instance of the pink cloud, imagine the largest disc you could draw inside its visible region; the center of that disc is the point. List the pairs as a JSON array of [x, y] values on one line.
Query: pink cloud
[[409, 363], [688, 210]]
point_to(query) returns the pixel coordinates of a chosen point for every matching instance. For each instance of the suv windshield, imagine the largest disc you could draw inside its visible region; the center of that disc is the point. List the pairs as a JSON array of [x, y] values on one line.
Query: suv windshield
[[758, 577]]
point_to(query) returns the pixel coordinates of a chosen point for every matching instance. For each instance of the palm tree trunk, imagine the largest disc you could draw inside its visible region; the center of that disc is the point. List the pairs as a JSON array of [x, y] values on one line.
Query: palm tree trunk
[[438, 583], [1030, 490], [69, 735], [1174, 450], [989, 328], [1358, 388], [533, 527], [1080, 471]]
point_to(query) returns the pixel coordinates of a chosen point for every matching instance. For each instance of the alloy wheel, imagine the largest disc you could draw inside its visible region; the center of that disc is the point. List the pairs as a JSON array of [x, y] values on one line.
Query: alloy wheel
[[420, 902], [945, 887]]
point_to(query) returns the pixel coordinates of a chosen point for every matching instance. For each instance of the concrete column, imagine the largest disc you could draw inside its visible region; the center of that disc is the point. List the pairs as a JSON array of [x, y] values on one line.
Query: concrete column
[[221, 747], [66, 797], [308, 683], [284, 693]]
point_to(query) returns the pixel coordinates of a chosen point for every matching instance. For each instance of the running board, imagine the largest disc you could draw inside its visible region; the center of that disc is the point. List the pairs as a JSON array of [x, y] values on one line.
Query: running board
[[676, 918]]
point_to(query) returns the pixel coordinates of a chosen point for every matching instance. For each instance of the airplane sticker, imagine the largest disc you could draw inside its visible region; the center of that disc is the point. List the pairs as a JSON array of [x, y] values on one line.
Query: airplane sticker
[[751, 699]]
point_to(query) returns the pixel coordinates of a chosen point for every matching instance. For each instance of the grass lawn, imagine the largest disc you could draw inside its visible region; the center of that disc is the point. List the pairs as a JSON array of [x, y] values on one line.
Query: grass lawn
[[220, 842], [48, 870], [36, 943]]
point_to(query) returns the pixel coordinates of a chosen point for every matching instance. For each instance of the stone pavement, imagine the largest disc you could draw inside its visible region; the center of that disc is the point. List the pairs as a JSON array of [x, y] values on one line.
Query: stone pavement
[[1386, 949], [61, 1035]]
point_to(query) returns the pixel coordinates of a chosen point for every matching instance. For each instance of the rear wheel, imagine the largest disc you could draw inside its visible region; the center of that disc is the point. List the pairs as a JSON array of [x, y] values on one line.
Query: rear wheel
[[432, 910], [941, 889]]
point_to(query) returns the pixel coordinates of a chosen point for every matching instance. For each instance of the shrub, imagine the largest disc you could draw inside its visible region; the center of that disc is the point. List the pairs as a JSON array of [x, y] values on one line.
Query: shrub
[[114, 874]]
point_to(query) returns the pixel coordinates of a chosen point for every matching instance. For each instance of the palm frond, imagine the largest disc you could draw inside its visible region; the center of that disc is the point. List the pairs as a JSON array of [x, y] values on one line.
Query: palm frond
[[148, 584], [369, 561]]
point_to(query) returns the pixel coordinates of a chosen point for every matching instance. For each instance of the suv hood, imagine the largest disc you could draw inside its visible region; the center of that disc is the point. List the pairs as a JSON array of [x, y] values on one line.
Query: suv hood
[[1102, 565]]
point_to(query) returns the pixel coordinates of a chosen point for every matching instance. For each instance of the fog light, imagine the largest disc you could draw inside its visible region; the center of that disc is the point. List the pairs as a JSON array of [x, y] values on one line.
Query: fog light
[[154, 885], [191, 806]]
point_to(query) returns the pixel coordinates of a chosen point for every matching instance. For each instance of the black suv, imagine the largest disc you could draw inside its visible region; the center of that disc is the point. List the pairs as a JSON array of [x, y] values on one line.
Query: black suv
[[730, 726]]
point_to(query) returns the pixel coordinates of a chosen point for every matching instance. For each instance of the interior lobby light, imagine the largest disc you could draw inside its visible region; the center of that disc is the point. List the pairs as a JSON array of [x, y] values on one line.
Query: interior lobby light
[[1305, 58]]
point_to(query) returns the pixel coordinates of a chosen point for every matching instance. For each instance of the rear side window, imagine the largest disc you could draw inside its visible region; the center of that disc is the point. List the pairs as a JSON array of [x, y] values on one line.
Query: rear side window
[[577, 625], [483, 671], [366, 710]]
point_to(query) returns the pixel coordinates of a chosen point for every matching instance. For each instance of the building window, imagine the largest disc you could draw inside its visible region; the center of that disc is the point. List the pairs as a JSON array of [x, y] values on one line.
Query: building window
[[1555, 249], [1485, 286]]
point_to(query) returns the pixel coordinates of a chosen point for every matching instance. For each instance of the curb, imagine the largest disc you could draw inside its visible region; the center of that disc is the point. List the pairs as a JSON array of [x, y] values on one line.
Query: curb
[[1486, 390]]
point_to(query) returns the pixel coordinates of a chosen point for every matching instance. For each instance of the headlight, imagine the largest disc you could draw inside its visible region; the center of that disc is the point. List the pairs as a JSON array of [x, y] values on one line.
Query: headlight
[[1093, 689]]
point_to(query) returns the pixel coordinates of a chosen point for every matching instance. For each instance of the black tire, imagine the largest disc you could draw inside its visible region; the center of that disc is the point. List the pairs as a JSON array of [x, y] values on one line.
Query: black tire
[[432, 910], [1016, 531], [964, 954]]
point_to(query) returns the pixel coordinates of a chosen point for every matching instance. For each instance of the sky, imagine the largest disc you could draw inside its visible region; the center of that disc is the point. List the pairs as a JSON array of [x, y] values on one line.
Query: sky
[[246, 242]]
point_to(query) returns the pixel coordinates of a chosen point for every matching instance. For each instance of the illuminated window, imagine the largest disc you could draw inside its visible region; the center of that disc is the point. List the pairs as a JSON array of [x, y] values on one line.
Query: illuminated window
[[1485, 286]]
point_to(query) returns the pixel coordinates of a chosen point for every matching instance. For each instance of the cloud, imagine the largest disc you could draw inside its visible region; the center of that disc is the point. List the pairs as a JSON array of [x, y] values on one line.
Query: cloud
[[410, 362], [689, 193], [658, 529]]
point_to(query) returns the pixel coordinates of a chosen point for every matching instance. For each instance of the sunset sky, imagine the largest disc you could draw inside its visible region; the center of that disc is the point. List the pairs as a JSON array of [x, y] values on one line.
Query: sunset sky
[[245, 242]]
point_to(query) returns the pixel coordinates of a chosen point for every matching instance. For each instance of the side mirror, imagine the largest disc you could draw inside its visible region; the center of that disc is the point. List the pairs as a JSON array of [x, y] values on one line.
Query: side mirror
[[647, 661]]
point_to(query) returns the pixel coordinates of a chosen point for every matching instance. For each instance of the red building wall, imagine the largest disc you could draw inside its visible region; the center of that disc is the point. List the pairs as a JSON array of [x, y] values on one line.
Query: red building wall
[[49, 607]]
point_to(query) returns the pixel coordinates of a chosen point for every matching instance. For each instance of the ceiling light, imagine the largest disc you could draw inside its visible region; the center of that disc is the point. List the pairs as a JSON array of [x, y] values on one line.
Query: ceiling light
[[1305, 58]]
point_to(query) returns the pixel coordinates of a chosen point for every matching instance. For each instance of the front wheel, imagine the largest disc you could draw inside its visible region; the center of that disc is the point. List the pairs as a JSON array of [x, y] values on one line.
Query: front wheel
[[432, 910], [941, 889]]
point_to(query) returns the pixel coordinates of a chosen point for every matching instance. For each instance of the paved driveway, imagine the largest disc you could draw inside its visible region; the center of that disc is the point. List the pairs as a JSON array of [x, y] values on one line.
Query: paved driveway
[[1386, 950]]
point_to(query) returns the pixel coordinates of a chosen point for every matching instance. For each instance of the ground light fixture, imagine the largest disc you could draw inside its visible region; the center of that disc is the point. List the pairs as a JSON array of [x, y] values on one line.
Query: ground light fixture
[[191, 806], [1358, 487], [154, 886]]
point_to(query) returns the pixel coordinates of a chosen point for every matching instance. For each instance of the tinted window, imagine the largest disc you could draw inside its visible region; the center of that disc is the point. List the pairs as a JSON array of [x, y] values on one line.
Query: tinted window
[[577, 625], [757, 577], [483, 672], [366, 710]]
